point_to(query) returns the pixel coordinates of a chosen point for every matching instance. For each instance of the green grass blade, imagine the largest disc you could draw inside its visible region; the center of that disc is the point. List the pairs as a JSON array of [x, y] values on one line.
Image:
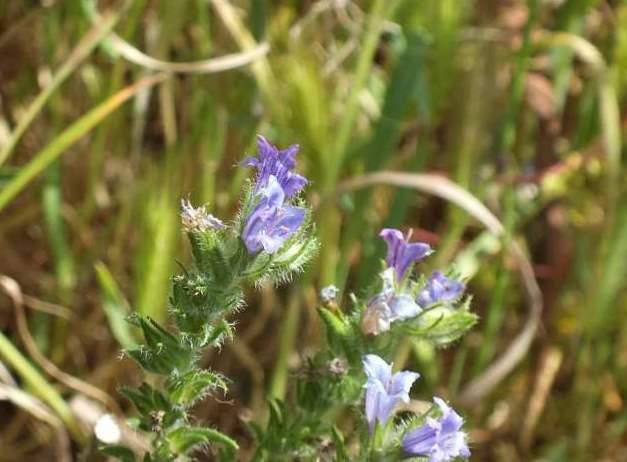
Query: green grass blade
[[40, 386], [82, 50], [70, 136], [115, 307]]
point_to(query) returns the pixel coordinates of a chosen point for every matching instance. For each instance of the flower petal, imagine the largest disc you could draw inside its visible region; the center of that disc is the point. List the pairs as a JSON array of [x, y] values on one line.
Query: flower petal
[[404, 307], [377, 368], [402, 383]]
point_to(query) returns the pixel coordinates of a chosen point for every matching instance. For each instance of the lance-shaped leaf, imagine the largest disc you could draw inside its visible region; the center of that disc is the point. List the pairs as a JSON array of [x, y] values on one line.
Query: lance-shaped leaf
[[121, 453], [192, 386], [184, 439], [163, 352], [338, 329], [154, 407], [444, 324]]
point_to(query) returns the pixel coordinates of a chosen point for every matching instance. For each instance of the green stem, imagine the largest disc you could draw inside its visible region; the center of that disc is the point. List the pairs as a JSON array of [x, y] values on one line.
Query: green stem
[[288, 330]]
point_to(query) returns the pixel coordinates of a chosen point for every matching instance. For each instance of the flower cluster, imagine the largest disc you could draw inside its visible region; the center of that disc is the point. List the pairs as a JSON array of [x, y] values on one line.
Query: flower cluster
[[273, 220], [271, 239], [271, 161], [395, 301], [439, 439]]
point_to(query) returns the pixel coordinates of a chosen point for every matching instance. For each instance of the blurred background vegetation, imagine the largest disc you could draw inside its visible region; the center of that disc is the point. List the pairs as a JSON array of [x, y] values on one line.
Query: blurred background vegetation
[[521, 103]]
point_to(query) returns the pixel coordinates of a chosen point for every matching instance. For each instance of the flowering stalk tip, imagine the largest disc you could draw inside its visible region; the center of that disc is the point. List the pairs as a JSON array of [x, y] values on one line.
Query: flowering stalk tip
[[271, 161], [401, 253]]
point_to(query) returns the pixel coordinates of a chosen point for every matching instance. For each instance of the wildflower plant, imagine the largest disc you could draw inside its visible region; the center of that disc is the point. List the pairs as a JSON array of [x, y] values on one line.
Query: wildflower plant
[[271, 239], [350, 376], [345, 400]]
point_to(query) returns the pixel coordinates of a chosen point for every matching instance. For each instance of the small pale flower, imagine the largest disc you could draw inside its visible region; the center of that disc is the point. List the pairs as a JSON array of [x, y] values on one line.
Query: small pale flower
[[384, 390], [387, 306], [441, 440], [439, 288], [328, 294], [401, 253], [271, 161], [338, 366], [197, 219], [272, 222]]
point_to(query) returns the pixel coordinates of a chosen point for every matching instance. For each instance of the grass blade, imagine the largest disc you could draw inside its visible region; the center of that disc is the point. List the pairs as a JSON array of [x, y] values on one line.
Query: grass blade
[[82, 50], [115, 307], [70, 136]]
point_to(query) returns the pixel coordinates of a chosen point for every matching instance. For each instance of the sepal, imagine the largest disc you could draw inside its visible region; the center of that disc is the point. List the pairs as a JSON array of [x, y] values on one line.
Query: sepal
[[209, 253]]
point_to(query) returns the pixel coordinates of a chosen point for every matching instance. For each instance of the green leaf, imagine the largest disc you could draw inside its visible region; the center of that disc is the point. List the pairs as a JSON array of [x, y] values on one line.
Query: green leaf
[[338, 329], [115, 307], [340, 446], [155, 408], [121, 453], [146, 399], [443, 325], [184, 439], [192, 386], [163, 352]]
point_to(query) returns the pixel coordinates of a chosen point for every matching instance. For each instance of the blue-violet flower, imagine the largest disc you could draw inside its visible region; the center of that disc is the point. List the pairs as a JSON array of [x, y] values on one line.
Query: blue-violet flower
[[384, 390], [272, 222], [440, 440], [439, 288], [387, 306], [402, 254], [271, 161]]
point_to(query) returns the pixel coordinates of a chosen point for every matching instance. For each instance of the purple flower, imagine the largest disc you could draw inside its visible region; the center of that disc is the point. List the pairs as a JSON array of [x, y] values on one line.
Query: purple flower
[[439, 439], [384, 390], [439, 288], [402, 254], [270, 161], [271, 223], [197, 219], [387, 306]]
